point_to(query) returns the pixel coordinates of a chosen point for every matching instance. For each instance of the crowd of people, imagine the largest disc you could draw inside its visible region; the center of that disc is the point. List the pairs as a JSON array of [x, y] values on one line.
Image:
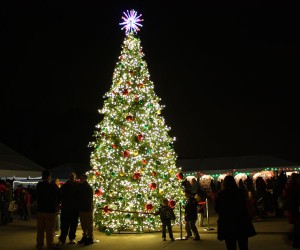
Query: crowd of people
[[267, 196], [19, 202], [237, 204], [6, 201], [61, 207], [73, 201], [57, 207]]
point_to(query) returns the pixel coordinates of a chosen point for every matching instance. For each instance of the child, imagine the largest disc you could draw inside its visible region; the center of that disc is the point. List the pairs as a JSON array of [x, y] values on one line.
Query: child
[[166, 216]]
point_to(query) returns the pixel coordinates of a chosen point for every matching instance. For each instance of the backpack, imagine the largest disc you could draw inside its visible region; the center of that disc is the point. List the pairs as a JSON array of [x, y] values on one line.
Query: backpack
[[167, 213]]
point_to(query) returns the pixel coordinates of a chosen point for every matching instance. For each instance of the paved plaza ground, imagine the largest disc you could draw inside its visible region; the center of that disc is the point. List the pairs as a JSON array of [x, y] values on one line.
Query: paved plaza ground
[[272, 234]]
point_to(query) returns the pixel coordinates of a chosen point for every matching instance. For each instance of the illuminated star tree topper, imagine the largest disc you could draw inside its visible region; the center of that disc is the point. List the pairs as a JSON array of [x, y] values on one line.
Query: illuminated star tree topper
[[131, 21]]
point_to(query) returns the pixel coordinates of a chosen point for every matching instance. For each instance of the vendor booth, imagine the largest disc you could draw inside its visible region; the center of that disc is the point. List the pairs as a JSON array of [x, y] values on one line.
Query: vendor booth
[[264, 174], [240, 176], [221, 177], [205, 181]]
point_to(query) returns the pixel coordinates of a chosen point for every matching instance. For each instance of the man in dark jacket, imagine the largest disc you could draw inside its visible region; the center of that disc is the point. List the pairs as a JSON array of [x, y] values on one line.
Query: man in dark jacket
[[190, 215], [69, 210], [85, 208], [47, 203]]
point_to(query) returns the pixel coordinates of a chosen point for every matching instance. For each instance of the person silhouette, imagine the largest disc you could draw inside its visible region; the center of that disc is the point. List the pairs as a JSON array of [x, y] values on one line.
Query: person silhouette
[[234, 223], [190, 215]]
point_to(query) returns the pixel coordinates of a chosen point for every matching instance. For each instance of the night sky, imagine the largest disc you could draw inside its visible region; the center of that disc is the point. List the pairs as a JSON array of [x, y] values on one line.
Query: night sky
[[227, 74]]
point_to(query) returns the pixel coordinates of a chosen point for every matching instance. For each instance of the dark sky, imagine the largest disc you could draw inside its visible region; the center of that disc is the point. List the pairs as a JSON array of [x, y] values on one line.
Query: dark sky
[[227, 74]]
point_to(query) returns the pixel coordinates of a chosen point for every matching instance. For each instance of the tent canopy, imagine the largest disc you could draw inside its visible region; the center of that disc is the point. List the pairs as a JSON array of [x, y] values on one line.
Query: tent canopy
[[13, 164], [254, 162]]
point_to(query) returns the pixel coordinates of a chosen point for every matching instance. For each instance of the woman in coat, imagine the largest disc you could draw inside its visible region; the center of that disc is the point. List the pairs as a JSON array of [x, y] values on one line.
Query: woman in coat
[[234, 223]]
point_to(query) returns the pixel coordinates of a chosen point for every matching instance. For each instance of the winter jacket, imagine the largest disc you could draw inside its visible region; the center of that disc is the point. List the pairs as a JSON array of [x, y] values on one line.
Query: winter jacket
[[190, 209], [234, 221], [47, 197], [85, 197]]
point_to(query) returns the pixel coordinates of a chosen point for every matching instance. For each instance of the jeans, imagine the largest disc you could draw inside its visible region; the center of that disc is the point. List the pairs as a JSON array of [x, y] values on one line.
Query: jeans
[[87, 224], [165, 225], [190, 226], [68, 226]]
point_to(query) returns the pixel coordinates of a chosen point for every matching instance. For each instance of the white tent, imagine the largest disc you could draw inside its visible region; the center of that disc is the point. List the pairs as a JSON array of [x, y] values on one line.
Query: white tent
[[190, 177], [13, 164], [264, 174], [205, 181], [253, 163], [240, 176], [222, 177]]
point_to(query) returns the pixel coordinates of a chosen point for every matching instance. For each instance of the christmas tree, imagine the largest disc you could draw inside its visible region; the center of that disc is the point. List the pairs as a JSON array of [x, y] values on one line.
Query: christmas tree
[[133, 160]]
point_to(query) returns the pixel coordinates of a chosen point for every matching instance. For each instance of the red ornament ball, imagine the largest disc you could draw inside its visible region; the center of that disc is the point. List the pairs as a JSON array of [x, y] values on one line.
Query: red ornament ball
[[153, 173], [126, 153], [179, 176], [114, 146], [172, 203], [137, 176], [152, 186], [106, 209], [144, 162], [129, 118], [97, 173], [140, 137], [149, 206], [98, 192], [125, 92]]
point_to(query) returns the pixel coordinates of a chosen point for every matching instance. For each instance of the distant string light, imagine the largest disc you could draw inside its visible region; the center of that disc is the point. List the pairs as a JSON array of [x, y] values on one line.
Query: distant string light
[[131, 21]]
